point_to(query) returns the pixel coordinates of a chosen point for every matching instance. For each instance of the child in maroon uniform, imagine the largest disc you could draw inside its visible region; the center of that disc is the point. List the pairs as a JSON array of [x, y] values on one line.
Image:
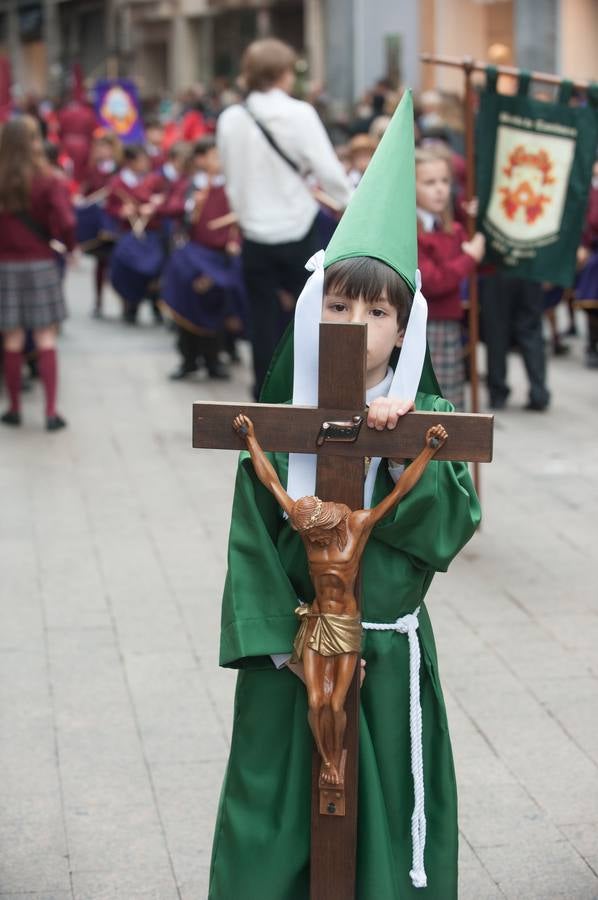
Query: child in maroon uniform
[[445, 258], [104, 161], [138, 255], [128, 189], [34, 209], [202, 288], [167, 184], [154, 142], [95, 231]]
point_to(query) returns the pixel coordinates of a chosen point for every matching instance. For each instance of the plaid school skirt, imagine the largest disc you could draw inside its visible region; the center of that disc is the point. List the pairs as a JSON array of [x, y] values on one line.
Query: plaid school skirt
[[446, 350], [30, 295]]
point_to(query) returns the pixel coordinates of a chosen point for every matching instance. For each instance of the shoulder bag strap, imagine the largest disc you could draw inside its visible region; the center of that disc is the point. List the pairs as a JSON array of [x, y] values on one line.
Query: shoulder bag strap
[[272, 141], [35, 227]]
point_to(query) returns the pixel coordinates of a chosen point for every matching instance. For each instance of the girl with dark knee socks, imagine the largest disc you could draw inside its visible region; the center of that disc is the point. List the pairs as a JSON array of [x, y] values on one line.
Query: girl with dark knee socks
[[35, 210]]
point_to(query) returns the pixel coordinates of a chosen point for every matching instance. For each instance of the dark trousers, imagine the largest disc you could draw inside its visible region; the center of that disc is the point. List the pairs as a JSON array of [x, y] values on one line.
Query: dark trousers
[[192, 346], [273, 273], [592, 330], [512, 311]]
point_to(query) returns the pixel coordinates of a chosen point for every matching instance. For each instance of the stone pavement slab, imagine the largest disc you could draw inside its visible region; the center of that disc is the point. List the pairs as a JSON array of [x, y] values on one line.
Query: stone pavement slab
[[114, 716]]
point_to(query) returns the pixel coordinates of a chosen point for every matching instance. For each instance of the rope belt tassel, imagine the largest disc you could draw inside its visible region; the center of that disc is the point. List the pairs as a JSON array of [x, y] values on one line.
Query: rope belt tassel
[[408, 625]]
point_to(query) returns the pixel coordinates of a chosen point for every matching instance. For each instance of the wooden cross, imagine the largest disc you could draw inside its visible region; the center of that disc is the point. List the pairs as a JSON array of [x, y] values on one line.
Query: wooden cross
[[342, 447]]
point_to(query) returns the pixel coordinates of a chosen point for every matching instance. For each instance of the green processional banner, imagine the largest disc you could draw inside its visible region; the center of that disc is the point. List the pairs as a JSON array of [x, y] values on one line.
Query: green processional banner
[[534, 168]]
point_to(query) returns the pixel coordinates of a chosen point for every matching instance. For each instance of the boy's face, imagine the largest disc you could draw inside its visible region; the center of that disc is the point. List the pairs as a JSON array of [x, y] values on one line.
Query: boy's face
[[154, 135], [208, 162], [103, 151], [141, 164], [383, 334], [361, 160], [433, 186], [178, 162]]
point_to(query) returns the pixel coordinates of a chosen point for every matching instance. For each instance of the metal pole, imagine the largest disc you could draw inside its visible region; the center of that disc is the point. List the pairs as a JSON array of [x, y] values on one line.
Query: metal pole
[[477, 66], [474, 310]]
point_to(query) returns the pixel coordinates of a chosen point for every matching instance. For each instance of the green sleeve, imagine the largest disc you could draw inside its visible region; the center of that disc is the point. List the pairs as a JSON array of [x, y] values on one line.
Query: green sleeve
[[259, 600], [438, 517]]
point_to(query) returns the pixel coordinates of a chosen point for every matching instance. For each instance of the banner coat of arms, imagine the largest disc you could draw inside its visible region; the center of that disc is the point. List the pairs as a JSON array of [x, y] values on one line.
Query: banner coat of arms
[[534, 167]]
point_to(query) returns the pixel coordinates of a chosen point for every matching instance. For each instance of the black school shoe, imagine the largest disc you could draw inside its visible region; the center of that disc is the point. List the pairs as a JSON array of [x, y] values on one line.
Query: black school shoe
[[182, 372], [11, 418], [55, 423], [534, 406], [591, 359], [218, 372], [130, 314]]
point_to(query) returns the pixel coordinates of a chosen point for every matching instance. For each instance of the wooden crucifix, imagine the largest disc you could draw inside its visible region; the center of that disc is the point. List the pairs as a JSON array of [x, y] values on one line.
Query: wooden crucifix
[[334, 431]]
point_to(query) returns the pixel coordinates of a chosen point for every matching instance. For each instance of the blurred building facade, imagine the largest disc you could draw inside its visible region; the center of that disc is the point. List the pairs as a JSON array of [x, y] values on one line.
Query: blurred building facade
[[345, 44], [43, 39], [559, 36]]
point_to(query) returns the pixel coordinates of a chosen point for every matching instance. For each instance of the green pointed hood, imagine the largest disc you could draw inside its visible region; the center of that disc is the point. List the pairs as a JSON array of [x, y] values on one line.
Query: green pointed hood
[[380, 220]]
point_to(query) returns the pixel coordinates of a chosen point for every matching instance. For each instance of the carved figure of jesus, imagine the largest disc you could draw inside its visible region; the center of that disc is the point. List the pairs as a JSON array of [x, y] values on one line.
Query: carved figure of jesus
[[328, 641]]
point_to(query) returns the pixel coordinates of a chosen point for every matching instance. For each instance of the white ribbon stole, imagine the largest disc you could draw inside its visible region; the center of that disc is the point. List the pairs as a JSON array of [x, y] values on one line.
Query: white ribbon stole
[[404, 385]]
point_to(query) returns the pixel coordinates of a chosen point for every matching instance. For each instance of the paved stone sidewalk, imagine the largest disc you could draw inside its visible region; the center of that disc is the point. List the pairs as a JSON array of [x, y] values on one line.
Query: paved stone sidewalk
[[114, 716]]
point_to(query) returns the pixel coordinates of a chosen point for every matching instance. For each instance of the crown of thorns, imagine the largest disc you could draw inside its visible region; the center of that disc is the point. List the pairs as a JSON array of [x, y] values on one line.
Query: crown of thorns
[[314, 516]]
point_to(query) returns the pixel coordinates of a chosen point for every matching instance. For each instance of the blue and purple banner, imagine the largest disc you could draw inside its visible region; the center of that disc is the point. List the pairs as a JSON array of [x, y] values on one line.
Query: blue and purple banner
[[118, 109]]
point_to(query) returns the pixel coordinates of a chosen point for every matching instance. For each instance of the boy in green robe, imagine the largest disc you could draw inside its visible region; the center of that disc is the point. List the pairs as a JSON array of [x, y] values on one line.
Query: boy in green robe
[[262, 836]]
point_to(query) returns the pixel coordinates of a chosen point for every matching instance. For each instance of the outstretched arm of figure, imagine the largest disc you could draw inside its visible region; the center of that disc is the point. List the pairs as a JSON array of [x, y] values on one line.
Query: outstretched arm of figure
[[262, 465], [435, 438]]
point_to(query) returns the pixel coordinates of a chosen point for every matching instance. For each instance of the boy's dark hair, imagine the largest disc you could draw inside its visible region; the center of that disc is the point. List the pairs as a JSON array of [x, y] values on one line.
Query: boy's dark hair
[[204, 145], [364, 276], [264, 62], [180, 150], [133, 151]]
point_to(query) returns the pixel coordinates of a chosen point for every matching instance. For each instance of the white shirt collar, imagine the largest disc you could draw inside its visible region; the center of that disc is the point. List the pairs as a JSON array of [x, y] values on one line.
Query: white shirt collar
[[201, 181], [265, 103], [272, 92], [169, 171], [381, 389], [130, 178], [427, 219]]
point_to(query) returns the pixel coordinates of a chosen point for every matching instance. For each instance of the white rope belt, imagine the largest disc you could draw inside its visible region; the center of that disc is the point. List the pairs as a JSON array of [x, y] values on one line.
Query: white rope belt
[[408, 625]]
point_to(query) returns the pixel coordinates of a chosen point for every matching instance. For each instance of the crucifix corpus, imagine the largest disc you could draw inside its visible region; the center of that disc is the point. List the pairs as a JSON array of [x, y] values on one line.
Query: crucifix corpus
[[329, 632]]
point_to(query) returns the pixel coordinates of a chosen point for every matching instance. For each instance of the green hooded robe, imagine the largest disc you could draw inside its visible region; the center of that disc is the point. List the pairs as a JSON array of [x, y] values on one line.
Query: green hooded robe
[[262, 836]]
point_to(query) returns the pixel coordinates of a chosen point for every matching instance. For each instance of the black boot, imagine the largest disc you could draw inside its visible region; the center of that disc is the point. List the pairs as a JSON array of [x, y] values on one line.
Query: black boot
[[210, 345], [183, 371], [55, 423], [11, 418]]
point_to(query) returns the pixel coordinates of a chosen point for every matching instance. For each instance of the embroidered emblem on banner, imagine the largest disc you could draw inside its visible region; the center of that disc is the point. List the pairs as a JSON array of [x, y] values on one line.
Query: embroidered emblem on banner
[[118, 110], [531, 176]]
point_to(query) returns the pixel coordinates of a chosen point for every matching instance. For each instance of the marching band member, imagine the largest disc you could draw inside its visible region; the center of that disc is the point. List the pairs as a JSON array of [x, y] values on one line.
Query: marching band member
[[95, 233], [138, 256], [154, 142], [202, 286]]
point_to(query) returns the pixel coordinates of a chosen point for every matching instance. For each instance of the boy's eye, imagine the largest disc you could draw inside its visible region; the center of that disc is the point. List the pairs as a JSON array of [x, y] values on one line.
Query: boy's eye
[[378, 313], [337, 306]]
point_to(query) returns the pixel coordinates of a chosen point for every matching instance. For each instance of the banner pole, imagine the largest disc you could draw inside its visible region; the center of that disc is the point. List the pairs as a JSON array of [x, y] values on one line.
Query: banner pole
[[476, 66], [470, 188]]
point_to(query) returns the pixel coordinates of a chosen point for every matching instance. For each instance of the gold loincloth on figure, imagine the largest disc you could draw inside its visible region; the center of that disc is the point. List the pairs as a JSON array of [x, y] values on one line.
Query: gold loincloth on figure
[[331, 634]]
